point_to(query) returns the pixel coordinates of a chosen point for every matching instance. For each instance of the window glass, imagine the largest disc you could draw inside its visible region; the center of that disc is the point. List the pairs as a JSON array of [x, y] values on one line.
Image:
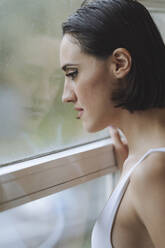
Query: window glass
[[33, 119], [160, 21], [63, 220]]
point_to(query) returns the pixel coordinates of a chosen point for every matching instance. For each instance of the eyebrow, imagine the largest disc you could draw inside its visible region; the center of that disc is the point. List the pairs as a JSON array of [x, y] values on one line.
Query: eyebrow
[[64, 67]]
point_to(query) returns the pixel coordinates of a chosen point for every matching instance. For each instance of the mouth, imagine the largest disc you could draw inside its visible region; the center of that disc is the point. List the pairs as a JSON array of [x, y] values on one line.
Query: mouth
[[80, 113]]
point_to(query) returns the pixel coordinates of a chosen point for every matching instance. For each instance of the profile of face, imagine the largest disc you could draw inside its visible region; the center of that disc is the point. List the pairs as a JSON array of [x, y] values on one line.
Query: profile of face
[[33, 73], [89, 82]]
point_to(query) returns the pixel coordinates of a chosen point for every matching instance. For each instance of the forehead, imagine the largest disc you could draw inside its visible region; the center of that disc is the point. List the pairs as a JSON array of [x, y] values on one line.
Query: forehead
[[70, 52]]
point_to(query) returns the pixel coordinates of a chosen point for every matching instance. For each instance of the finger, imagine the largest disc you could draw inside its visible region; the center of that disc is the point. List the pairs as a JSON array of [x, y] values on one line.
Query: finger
[[114, 133]]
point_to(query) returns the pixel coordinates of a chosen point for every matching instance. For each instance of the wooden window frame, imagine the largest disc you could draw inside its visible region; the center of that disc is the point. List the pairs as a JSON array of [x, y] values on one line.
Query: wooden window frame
[[30, 180]]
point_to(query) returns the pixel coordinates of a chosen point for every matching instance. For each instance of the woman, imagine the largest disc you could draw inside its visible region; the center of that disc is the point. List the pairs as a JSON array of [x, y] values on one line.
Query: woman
[[113, 58]]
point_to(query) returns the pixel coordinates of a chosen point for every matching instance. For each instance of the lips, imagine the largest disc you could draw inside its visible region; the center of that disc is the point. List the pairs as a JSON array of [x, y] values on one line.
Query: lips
[[80, 112]]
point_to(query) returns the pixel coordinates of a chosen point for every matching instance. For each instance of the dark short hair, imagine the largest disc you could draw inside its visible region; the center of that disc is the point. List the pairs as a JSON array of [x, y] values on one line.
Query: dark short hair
[[101, 26]]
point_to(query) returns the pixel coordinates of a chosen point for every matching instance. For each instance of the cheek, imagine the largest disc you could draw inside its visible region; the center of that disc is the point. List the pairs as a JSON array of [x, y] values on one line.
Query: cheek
[[86, 96], [93, 87], [99, 91]]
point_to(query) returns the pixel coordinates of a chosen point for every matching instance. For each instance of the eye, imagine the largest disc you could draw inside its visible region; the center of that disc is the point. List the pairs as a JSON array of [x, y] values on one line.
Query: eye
[[72, 74]]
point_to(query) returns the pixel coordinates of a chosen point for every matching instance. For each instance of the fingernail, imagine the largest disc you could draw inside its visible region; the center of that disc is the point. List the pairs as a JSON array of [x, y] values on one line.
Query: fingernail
[[113, 127]]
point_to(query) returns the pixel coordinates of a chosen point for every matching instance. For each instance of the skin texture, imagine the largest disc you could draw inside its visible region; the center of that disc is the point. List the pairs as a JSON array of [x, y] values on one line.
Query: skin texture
[[139, 221]]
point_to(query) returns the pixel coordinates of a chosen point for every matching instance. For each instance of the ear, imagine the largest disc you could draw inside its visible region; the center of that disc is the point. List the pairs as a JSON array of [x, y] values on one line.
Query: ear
[[121, 62]]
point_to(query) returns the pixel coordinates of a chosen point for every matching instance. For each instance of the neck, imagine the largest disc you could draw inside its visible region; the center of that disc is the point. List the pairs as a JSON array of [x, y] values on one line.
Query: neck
[[143, 129]]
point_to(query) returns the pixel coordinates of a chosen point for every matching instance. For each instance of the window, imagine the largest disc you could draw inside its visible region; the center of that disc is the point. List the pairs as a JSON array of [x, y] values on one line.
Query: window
[[33, 119], [63, 220], [43, 148], [36, 130]]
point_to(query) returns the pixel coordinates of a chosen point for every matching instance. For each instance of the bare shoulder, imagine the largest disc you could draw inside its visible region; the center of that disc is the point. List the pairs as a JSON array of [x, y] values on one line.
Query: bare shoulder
[[147, 186], [151, 170], [148, 182]]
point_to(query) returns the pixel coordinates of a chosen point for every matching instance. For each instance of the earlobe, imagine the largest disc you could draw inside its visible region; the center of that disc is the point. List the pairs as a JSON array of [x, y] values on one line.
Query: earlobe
[[121, 62]]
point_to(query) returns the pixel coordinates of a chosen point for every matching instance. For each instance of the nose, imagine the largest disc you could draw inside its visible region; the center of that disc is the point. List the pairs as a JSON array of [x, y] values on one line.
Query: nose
[[68, 94]]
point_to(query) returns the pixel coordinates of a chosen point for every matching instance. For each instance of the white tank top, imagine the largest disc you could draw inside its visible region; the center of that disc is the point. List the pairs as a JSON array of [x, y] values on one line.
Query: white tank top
[[101, 234]]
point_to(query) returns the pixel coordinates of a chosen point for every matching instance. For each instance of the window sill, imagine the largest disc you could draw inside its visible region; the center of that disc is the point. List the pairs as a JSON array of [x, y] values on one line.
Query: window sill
[[34, 179]]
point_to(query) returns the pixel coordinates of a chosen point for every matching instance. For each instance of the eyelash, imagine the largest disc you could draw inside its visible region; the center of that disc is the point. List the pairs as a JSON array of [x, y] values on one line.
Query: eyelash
[[72, 75]]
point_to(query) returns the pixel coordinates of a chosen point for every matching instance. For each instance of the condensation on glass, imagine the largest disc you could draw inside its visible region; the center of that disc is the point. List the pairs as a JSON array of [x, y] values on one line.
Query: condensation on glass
[[33, 119], [34, 122], [63, 220]]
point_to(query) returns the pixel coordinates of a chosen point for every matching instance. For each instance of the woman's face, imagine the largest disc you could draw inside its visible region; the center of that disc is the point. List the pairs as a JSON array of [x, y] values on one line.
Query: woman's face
[[33, 73], [88, 85]]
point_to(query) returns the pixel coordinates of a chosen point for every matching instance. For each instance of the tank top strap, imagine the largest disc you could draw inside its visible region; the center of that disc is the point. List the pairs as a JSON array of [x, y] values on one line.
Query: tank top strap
[[161, 149], [102, 231]]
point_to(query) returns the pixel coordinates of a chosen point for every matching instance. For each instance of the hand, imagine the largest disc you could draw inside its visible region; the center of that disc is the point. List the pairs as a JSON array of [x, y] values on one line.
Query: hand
[[120, 146]]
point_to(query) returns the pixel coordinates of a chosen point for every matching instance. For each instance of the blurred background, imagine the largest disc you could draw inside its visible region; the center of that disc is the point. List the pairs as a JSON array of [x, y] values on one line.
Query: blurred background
[[34, 122], [33, 119]]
